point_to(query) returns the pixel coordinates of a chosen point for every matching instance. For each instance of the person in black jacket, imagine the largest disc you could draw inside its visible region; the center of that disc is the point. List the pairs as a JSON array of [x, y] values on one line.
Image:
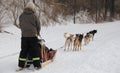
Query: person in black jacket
[[30, 28]]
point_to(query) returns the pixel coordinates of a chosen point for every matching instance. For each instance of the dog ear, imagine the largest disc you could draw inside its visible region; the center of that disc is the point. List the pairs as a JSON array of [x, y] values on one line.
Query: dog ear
[[77, 34]]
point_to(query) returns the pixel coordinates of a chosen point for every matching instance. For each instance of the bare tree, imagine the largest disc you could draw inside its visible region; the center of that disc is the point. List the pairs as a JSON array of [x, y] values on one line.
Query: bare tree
[[15, 9], [2, 13], [14, 12], [112, 9], [34, 1], [49, 10]]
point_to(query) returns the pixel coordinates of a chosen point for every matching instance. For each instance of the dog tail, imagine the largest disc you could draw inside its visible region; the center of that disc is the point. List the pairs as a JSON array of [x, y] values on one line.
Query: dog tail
[[65, 35]]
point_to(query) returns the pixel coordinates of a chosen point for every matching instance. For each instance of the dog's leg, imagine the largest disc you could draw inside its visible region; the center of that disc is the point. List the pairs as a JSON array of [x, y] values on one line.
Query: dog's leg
[[88, 41], [65, 45], [77, 46], [68, 46], [92, 37], [80, 45], [74, 46], [71, 46], [85, 41]]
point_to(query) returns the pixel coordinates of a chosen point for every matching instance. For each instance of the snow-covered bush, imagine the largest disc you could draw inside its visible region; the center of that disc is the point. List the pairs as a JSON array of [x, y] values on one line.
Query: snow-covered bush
[[83, 17]]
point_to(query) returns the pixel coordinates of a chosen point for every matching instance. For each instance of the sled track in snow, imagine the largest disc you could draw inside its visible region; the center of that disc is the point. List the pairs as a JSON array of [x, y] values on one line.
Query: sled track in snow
[[9, 55]]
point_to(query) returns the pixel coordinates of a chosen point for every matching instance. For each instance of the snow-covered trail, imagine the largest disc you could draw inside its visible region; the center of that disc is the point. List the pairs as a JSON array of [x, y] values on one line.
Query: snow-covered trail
[[99, 56]]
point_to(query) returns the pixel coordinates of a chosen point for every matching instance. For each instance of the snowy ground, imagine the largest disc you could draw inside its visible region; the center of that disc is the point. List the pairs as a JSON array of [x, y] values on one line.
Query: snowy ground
[[100, 56]]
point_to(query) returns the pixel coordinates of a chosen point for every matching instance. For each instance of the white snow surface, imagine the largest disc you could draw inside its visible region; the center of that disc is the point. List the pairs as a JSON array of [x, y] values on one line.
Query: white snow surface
[[102, 55]]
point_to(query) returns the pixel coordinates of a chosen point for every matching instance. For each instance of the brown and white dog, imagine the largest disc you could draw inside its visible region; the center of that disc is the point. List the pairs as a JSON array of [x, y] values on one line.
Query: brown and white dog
[[78, 42], [87, 38], [69, 41]]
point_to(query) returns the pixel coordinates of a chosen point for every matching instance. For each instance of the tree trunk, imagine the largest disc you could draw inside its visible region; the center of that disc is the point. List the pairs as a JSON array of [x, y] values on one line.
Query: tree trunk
[[106, 9], [112, 8], [15, 23], [96, 12], [34, 1]]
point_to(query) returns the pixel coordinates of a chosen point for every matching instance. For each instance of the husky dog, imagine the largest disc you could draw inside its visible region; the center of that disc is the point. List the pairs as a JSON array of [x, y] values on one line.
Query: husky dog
[[92, 33], [78, 42], [69, 41], [87, 39], [89, 36]]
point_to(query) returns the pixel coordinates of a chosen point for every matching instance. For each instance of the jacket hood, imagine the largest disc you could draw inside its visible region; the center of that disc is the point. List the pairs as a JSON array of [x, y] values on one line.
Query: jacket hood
[[28, 11], [31, 6]]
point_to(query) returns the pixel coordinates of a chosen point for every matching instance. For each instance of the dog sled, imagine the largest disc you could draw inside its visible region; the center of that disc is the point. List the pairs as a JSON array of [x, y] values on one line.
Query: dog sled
[[48, 56]]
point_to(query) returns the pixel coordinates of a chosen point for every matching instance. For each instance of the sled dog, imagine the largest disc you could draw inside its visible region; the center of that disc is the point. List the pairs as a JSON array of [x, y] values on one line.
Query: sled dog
[[92, 33], [78, 42], [69, 41], [87, 38]]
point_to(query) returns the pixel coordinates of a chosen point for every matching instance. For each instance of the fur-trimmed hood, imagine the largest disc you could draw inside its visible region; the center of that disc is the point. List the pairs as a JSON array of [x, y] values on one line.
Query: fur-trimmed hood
[[31, 5]]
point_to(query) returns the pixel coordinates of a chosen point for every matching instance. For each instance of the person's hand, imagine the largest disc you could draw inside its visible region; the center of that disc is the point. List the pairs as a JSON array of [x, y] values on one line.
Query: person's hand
[[39, 37]]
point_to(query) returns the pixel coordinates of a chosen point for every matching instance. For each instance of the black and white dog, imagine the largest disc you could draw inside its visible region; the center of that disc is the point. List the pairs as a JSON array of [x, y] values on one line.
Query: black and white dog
[[92, 33]]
